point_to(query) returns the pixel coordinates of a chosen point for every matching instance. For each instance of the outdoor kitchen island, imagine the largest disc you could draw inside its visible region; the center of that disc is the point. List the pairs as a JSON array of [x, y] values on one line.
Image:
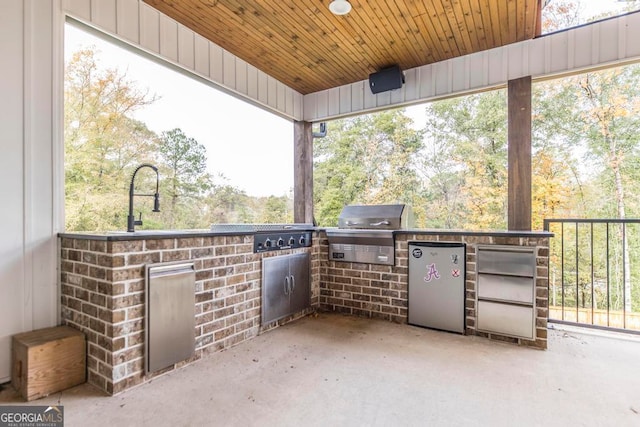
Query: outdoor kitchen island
[[103, 285]]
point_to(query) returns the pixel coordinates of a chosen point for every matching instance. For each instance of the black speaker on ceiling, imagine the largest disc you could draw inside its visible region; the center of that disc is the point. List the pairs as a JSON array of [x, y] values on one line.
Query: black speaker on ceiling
[[386, 79]]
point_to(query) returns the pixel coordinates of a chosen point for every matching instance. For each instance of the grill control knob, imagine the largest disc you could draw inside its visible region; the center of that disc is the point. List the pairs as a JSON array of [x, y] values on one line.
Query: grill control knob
[[303, 241], [292, 241], [267, 243], [280, 242]]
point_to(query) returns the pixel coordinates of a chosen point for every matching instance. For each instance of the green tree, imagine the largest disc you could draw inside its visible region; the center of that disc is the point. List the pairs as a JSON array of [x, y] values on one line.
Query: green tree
[[228, 204], [558, 183], [366, 159], [183, 163], [466, 160], [274, 210], [592, 120]]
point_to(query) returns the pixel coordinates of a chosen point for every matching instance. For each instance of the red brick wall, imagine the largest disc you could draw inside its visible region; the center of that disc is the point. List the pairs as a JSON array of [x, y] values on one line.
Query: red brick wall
[[103, 284], [380, 291]]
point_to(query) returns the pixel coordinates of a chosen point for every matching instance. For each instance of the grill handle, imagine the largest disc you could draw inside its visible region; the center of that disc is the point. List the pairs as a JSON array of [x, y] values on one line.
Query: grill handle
[[377, 224], [353, 223]]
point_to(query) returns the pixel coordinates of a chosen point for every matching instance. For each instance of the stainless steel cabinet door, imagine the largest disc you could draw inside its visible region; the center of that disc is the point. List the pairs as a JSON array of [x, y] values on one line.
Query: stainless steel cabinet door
[[299, 272], [170, 318], [275, 288], [436, 285]]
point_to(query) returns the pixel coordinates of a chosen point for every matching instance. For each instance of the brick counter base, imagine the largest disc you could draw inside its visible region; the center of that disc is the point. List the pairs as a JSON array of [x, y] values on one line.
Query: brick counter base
[[380, 291], [102, 294]]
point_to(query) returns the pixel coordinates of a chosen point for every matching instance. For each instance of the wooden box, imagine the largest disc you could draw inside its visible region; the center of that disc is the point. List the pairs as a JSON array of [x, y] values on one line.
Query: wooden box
[[47, 360]]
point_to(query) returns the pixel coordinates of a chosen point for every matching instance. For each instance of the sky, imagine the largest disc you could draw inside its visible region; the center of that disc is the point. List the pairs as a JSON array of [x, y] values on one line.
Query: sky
[[251, 147]]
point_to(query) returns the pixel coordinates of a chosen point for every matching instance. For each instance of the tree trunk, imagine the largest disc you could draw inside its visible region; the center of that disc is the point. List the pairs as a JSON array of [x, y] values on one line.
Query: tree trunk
[[605, 118], [625, 245]]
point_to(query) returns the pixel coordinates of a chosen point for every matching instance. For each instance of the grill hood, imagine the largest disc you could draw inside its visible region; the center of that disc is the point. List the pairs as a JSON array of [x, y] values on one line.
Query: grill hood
[[376, 217], [365, 233]]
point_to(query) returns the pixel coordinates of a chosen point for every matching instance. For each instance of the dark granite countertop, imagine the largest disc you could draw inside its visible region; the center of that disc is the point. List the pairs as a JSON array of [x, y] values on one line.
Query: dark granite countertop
[[180, 234], [495, 233], [117, 236], [223, 230]]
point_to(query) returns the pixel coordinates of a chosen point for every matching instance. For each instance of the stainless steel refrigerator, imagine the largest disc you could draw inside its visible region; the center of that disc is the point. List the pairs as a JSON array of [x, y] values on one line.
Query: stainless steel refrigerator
[[436, 285]]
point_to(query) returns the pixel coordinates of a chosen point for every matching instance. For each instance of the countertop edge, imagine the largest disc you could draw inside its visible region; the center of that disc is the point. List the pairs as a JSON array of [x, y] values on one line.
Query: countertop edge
[[494, 233], [183, 234], [156, 235]]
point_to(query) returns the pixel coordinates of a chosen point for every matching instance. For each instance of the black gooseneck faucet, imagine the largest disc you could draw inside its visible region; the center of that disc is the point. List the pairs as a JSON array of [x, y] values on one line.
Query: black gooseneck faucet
[[131, 220]]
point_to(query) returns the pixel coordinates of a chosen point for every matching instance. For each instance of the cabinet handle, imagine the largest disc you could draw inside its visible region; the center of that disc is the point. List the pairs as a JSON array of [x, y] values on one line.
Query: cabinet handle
[[286, 285], [293, 283]]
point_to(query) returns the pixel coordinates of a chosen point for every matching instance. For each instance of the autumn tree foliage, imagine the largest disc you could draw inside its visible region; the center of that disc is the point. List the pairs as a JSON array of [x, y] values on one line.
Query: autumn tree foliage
[[369, 159], [104, 144]]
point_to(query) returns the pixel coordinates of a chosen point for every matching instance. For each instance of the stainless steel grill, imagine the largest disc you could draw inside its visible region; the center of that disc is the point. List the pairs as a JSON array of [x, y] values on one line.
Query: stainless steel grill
[[365, 233]]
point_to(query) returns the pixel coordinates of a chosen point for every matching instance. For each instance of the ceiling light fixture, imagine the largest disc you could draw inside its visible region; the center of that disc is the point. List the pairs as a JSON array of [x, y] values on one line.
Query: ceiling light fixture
[[340, 7]]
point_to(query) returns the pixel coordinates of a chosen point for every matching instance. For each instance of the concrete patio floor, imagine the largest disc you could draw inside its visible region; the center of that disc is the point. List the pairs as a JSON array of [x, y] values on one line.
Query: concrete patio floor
[[334, 370]]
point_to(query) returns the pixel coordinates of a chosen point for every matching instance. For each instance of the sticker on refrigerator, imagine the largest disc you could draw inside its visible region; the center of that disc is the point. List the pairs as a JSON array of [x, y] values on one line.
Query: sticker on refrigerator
[[432, 274], [416, 253]]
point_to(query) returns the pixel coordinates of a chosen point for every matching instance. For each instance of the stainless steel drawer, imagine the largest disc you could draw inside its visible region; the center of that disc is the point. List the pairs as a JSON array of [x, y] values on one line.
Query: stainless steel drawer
[[512, 320], [506, 288], [506, 261]]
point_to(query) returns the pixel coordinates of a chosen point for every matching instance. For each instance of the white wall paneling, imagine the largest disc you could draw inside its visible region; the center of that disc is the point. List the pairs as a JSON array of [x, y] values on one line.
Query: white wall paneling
[[201, 52], [369, 98], [241, 76], [459, 73], [12, 261], [138, 24], [127, 18], [411, 84], [559, 46], [606, 43], [580, 53], [334, 101], [104, 15], [425, 82], [186, 47], [228, 69], [168, 38], [298, 104], [608, 46], [357, 95], [383, 99], [43, 102], [216, 63], [272, 91], [263, 89], [30, 44], [281, 101], [252, 81], [498, 64], [81, 8], [345, 98], [149, 28], [396, 96], [631, 33], [288, 101]]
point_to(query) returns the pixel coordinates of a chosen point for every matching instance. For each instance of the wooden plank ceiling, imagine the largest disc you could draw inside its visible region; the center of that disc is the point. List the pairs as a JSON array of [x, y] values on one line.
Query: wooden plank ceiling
[[302, 44]]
